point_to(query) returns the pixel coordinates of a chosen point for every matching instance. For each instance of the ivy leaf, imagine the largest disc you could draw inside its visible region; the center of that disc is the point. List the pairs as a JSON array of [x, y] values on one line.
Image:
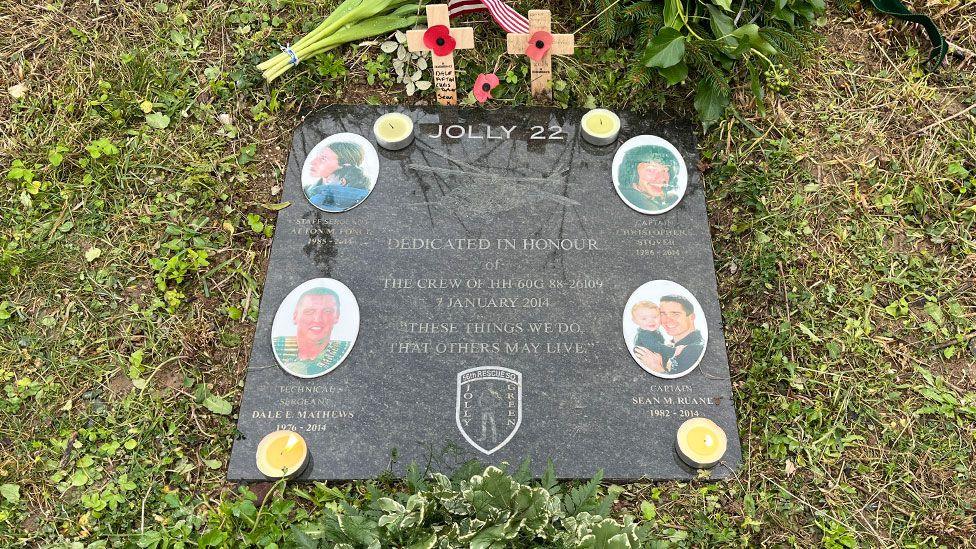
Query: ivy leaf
[[489, 538], [710, 102], [389, 505], [79, 478], [749, 38], [958, 170], [217, 405], [675, 74], [157, 120], [648, 510], [213, 538], [666, 50], [672, 14], [55, 156], [722, 26]]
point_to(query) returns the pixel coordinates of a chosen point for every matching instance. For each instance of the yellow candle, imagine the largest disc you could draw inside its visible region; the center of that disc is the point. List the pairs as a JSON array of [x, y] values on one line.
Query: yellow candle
[[282, 454], [393, 131], [600, 126], [701, 443]]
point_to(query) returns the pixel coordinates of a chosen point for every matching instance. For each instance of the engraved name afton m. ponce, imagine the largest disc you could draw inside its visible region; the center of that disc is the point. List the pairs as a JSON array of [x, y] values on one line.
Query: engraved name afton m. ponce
[[489, 406]]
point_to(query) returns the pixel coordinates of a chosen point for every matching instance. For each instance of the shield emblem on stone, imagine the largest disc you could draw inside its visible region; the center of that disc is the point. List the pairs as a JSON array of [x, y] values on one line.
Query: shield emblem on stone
[[489, 406]]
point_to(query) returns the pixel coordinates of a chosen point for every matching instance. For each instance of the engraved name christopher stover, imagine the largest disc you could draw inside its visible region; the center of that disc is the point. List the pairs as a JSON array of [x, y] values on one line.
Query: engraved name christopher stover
[[489, 406]]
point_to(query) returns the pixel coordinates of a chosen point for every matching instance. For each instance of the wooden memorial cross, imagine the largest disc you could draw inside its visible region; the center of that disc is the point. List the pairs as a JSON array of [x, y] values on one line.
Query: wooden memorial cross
[[562, 44], [444, 79]]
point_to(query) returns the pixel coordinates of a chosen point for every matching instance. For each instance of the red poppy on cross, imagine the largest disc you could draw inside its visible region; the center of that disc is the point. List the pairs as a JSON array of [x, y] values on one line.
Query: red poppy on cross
[[441, 40], [540, 45]]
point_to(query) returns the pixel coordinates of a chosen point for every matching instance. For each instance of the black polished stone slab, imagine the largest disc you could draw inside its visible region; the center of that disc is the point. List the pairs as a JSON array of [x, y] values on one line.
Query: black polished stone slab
[[585, 403]]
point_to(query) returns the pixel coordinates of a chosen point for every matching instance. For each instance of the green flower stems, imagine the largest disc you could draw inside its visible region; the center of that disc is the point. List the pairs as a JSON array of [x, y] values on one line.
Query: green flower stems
[[352, 20]]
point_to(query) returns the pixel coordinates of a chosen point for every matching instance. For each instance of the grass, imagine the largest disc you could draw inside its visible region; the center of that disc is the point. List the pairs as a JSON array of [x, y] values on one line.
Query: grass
[[134, 245]]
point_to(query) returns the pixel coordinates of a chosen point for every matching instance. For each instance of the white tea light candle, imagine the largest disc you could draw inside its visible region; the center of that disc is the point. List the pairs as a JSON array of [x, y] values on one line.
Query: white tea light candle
[[282, 454], [701, 443], [600, 127], [393, 131]]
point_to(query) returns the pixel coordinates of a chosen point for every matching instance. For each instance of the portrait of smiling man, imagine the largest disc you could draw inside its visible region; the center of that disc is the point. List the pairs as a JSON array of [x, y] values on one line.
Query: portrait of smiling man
[[649, 174], [664, 328], [312, 351], [678, 320]]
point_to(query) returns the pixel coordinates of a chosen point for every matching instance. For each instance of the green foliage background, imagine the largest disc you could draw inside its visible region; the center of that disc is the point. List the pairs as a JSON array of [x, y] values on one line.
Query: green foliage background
[[711, 43]]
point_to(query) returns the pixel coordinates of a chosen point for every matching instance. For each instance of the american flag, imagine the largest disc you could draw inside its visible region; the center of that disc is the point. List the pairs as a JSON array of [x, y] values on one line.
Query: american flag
[[503, 14]]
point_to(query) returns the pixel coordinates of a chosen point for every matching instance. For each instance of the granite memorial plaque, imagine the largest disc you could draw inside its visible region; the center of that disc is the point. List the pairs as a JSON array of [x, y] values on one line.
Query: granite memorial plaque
[[495, 290]]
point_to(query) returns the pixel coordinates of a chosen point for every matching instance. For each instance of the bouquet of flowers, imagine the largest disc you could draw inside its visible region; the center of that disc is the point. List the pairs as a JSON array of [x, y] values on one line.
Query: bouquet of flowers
[[352, 20]]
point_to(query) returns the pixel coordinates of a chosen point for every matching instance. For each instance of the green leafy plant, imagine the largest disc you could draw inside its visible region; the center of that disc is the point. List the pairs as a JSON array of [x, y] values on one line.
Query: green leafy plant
[[187, 252], [408, 66], [714, 41], [492, 508]]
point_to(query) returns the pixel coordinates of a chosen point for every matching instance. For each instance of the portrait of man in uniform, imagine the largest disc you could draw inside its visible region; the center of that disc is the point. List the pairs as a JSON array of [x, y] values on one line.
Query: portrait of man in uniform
[[312, 329], [649, 174]]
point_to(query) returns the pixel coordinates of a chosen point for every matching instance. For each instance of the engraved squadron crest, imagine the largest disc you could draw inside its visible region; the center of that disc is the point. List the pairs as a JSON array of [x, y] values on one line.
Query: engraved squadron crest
[[489, 406]]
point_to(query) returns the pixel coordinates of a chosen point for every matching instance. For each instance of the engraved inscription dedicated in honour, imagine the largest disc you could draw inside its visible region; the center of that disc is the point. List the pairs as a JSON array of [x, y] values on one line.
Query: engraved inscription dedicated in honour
[[489, 406]]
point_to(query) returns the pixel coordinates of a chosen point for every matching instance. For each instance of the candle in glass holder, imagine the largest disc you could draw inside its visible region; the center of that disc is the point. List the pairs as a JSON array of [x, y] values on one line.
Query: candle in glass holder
[[600, 127], [701, 443], [282, 454], [393, 131]]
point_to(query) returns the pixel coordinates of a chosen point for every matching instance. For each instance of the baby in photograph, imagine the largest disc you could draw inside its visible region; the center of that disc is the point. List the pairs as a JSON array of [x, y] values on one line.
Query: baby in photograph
[[679, 348], [647, 316]]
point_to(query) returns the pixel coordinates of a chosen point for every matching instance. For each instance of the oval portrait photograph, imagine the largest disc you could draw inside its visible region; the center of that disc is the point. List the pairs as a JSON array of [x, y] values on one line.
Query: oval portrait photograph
[[340, 172], [664, 329], [315, 327], [649, 174]]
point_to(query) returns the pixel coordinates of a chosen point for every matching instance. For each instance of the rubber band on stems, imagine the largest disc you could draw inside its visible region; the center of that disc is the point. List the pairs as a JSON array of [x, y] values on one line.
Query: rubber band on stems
[[291, 53]]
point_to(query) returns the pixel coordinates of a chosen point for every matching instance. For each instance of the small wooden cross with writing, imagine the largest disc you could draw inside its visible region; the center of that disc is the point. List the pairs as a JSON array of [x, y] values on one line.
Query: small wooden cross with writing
[[541, 70], [444, 78]]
